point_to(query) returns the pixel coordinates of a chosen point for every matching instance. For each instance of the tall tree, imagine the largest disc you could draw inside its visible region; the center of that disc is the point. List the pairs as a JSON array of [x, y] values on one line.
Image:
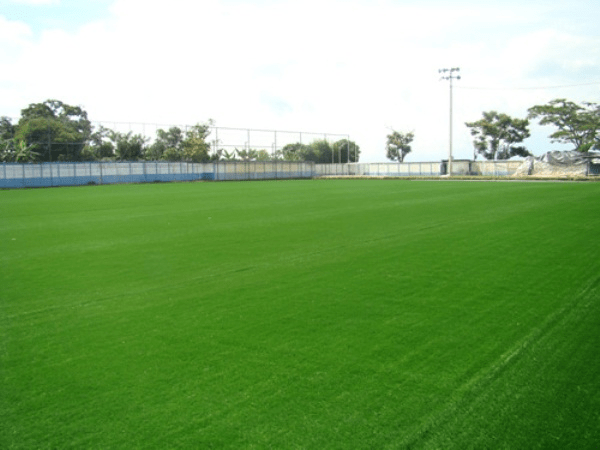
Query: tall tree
[[578, 124], [128, 146], [497, 135], [346, 151], [293, 152], [398, 145], [167, 142], [195, 148], [318, 151], [99, 146], [55, 130], [7, 129]]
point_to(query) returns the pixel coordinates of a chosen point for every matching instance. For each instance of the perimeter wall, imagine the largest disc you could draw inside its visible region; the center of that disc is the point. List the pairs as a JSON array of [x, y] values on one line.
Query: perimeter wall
[[380, 169], [13, 175], [420, 169], [76, 174]]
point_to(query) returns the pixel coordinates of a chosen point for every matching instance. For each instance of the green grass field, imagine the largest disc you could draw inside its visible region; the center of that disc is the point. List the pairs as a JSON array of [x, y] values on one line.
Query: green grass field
[[301, 314]]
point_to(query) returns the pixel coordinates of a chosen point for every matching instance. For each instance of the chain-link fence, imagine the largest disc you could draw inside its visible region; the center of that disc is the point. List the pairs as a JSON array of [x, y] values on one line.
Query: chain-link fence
[[236, 140], [107, 139]]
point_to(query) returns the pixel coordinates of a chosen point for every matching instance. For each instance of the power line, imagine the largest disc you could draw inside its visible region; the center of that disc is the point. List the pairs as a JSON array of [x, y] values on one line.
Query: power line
[[526, 88]]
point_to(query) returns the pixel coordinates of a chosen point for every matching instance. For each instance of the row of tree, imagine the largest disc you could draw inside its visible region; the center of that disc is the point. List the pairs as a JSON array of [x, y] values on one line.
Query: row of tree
[[55, 131], [498, 136]]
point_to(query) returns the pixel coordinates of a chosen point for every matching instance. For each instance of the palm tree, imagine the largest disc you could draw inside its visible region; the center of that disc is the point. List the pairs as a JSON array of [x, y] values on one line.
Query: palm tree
[[242, 154], [24, 153], [229, 156]]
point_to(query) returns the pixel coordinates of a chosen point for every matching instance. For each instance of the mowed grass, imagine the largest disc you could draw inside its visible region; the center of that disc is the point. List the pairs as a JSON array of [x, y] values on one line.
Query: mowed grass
[[301, 314]]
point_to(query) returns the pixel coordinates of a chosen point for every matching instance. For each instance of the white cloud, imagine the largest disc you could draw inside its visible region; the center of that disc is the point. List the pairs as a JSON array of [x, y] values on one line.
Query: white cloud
[[13, 34], [35, 2], [353, 67]]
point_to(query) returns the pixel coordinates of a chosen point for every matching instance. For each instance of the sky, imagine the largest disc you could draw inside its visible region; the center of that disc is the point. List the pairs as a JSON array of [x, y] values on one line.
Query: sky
[[355, 67]]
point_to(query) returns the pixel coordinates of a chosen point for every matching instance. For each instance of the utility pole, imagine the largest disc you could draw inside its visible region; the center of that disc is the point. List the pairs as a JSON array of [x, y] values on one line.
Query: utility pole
[[450, 76]]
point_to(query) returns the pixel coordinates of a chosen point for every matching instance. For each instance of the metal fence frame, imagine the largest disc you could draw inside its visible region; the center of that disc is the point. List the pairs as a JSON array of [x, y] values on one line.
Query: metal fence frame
[[219, 138]]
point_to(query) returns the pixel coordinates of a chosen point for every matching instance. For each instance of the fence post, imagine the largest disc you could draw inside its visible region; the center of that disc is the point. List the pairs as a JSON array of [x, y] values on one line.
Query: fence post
[[348, 147], [216, 140], [49, 145]]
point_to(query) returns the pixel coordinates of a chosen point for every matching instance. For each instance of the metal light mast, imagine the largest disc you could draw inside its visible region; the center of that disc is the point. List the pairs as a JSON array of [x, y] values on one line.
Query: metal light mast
[[450, 76]]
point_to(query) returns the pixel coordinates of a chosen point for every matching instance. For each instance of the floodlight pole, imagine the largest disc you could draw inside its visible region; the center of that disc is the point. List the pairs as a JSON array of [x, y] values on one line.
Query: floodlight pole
[[450, 77]]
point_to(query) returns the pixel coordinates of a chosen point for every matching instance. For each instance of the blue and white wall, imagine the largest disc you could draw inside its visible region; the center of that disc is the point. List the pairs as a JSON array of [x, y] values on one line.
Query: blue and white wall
[[76, 174]]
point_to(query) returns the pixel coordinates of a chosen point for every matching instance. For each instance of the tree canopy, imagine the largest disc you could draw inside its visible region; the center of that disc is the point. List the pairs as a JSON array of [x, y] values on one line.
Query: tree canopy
[[398, 145], [55, 130], [7, 129], [497, 135], [578, 124], [321, 151], [346, 151]]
